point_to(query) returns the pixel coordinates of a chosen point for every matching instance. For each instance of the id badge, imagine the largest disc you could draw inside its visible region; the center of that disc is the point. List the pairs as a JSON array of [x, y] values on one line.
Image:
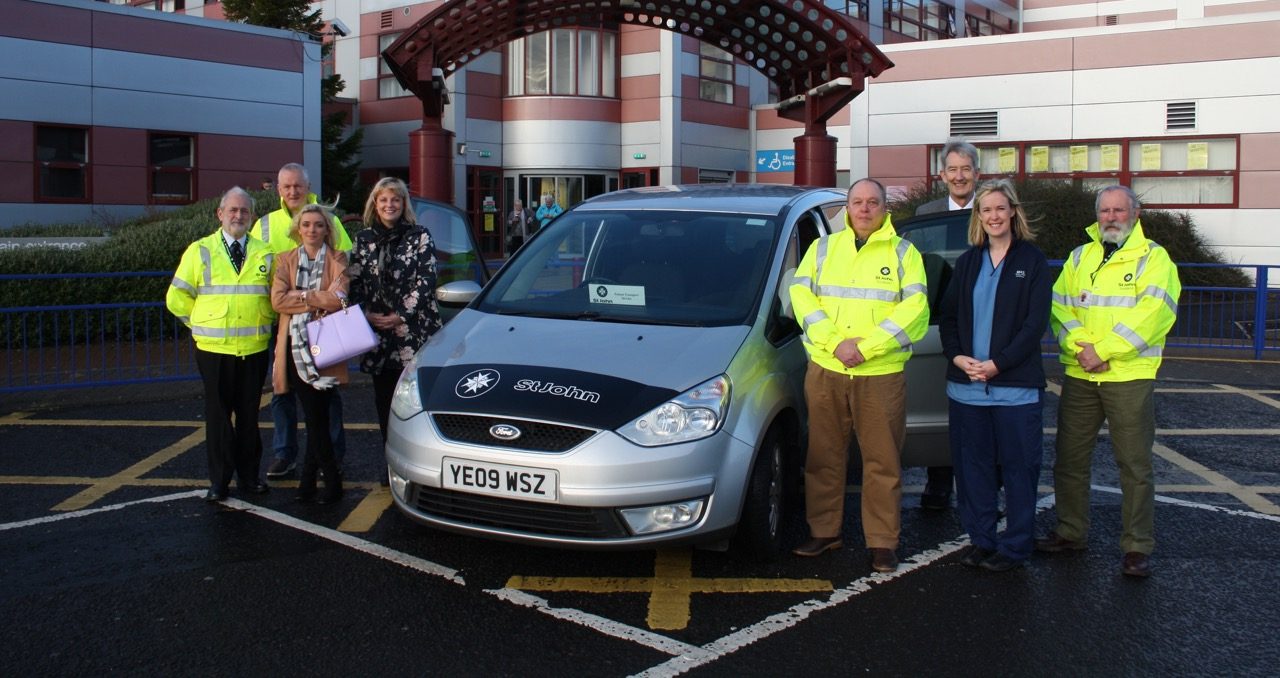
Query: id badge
[[1084, 297]]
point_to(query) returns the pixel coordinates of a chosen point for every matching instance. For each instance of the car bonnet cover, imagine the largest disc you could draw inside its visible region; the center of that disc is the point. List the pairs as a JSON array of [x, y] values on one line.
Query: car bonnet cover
[[545, 393]]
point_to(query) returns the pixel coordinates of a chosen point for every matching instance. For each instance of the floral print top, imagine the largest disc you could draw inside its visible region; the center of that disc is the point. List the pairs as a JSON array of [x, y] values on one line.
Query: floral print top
[[394, 270]]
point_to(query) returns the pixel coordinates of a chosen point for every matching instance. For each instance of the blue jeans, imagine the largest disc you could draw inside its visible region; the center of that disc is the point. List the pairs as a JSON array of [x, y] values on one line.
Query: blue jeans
[[1007, 439], [284, 414]]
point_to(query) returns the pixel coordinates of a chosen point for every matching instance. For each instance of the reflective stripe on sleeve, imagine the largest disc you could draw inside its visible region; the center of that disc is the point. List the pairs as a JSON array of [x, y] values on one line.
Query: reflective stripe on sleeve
[[1072, 325], [1065, 299], [1076, 254], [1162, 295], [1130, 336], [899, 334], [820, 258], [266, 227], [805, 281], [901, 250], [913, 289], [1151, 352], [812, 319], [183, 285]]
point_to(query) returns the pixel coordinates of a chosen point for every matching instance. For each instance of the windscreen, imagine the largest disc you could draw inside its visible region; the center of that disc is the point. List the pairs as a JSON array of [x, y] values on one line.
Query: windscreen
[[456, 256], [642, 266]]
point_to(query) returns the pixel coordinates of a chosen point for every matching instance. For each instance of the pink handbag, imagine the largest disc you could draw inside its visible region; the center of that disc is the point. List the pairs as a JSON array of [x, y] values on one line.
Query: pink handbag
[[340, 336]]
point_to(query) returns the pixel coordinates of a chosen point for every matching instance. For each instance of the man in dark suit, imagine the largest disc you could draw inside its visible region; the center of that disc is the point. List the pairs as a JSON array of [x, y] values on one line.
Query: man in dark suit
[[959, 173]]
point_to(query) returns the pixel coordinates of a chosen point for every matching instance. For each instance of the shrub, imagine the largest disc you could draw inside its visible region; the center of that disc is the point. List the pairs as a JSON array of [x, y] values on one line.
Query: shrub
[[1060, 211]]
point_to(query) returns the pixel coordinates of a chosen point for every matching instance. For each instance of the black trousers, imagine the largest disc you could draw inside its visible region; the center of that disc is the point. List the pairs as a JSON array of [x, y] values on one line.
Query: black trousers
[[232, 398], [315, 412]]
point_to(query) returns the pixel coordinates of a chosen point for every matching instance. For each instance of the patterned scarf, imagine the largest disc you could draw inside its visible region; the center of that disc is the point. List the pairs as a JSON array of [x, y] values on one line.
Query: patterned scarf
[[310, 273]]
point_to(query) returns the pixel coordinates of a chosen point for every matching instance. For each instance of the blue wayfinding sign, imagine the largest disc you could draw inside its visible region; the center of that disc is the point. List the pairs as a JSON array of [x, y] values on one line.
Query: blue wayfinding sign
[[776, 161]]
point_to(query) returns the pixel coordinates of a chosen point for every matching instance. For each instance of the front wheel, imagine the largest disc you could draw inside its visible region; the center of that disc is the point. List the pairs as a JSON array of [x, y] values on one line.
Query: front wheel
[[760, 525]]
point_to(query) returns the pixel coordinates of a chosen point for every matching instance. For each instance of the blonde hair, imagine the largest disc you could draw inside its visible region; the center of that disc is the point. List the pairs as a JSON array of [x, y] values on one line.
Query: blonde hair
[[330, 238], [387, 184], [1020, 229]]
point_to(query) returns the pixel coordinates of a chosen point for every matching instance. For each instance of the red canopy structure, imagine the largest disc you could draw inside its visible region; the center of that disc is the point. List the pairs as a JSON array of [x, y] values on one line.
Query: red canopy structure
[[816, 56]]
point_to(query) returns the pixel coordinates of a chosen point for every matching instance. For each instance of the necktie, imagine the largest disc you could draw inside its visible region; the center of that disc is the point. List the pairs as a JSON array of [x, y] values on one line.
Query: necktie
[[237, 255]]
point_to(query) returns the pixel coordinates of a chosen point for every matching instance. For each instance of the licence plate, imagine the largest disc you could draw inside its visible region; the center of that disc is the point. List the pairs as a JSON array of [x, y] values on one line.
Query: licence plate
[[500, 480]]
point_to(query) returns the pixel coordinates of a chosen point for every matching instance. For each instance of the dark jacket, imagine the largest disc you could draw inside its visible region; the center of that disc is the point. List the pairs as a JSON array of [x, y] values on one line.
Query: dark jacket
[[393, 270], [1022, 304]]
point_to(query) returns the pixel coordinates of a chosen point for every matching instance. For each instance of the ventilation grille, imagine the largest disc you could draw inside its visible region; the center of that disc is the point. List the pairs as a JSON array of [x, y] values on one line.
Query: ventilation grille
[[385, 20], [1180, 115], [974, 124], [1109, 20]]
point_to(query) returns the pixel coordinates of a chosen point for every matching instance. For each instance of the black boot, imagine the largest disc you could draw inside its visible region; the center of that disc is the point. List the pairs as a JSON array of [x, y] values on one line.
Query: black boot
[[332, 485], [307, 481]]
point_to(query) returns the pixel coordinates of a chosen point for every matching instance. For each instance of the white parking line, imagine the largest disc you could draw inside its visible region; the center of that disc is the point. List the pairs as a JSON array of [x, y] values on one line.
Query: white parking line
[[100, 509]]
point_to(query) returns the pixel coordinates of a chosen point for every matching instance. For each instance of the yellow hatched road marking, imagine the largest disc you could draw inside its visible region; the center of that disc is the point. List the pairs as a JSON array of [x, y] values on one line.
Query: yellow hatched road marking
[[105, 486], [1249, 495], [367, 512], [670, 589]]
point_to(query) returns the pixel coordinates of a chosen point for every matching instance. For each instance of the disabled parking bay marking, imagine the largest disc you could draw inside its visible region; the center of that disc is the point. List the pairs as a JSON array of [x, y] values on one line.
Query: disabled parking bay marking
[[671, 587]]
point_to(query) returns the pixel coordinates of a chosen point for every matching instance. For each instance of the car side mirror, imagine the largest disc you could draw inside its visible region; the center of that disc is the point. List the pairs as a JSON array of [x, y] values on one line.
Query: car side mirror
[[458, 292], [784, 293]]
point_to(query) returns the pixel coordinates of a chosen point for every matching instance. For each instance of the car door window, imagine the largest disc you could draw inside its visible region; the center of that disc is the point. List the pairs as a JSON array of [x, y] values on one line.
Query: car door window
[[782, 325]]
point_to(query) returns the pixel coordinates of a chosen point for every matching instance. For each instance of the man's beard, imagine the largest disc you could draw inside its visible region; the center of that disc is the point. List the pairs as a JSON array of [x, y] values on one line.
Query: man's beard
[[1117, 237]]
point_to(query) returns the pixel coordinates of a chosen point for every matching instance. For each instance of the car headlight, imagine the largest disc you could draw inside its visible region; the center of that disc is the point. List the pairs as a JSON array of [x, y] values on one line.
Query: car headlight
[[696, 413], [407, 399]]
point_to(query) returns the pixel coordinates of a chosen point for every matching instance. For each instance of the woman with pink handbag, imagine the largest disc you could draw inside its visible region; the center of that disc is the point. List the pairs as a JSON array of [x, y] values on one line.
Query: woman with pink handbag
[[310, 281], [393, 278]]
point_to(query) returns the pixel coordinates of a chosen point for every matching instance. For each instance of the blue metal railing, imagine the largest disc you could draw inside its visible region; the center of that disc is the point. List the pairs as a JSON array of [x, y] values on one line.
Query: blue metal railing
[[49, 346]]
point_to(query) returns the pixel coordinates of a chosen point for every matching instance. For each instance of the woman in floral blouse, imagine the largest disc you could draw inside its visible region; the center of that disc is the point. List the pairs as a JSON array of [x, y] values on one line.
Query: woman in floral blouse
[[393, 278]]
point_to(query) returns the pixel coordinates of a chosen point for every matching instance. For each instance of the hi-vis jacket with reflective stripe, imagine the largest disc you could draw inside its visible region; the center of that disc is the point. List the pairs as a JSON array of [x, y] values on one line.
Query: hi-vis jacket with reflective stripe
[[227, 312], [1124, 307], [273, 229], [877, 293]]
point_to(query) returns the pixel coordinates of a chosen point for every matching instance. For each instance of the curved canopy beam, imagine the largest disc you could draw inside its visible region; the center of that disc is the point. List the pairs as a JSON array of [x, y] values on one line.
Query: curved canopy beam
[[800, 45]]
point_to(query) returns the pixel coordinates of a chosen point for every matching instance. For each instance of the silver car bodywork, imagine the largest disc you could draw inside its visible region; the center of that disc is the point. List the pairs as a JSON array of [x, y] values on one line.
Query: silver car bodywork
[[537, 414]]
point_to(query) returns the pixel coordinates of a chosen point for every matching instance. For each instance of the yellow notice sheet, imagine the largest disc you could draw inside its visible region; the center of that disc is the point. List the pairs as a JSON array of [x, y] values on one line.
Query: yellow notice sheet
[[488, 223], [1197, 155], [1150, 157], [1008, 159], [1039, 158], [1110, 158], [1079, 158]]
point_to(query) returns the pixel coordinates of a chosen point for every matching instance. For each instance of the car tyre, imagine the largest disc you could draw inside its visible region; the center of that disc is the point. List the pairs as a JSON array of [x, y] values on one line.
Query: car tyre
[[759, 532]]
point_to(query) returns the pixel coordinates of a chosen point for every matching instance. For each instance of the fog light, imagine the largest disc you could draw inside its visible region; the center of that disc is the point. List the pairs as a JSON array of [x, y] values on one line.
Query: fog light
[[663, 517], [399, 486]]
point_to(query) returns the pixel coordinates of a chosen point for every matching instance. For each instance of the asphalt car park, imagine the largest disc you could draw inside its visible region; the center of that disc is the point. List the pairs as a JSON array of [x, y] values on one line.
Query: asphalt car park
[[112, 562]]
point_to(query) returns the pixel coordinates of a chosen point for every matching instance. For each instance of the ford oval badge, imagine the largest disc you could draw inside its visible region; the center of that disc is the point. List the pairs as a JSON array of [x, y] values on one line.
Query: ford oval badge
[[505, 432]]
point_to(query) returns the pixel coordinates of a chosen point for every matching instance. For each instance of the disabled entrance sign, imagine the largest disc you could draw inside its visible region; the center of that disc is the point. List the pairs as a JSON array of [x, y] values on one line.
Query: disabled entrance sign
[[776, 161]]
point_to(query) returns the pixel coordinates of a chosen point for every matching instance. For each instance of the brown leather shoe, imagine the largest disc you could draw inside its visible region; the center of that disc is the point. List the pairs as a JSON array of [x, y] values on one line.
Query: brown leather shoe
[[1056, 543], [883, 560], [1136, 564], [818, 546]]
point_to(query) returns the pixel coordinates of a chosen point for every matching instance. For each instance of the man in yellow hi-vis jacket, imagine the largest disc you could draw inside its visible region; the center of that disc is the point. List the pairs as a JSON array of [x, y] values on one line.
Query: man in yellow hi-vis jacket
[[861, 300], [221, 291], [1113, 304]]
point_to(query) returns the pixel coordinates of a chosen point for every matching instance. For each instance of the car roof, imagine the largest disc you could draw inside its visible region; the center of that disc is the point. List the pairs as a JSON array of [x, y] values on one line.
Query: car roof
[[762, 199]]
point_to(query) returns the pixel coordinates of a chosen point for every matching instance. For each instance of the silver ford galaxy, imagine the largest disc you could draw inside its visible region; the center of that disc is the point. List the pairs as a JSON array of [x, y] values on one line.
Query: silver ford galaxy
[[633, 376]]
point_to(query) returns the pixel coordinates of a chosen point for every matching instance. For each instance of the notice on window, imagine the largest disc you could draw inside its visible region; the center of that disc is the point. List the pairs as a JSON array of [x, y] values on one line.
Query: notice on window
[[1039, 158], [620, 295], [1110, 158], [1198, 155], [1008, 160], [488, 223], [1079, 158], [1150, 157]]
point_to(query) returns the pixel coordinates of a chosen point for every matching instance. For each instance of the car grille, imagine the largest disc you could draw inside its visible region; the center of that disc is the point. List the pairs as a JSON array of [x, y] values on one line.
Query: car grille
[[513, 514], [536, 436]]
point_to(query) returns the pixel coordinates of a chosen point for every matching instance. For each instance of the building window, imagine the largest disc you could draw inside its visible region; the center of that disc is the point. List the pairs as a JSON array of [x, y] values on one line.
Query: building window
[[62, 163], [172, 161], [920, 19], [715, 71], [1166, 173], [984, 21], [856, 9], [388, 86], [563, 61]]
